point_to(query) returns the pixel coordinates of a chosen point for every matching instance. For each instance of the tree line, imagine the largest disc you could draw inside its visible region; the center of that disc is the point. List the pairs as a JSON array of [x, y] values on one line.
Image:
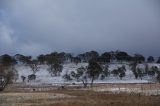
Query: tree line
[[63, 57], [97, 65]]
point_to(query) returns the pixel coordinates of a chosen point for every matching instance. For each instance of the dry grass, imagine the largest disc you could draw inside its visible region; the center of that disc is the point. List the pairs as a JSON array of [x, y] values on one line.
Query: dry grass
[[143, 86], [90, 98], [77, 97]]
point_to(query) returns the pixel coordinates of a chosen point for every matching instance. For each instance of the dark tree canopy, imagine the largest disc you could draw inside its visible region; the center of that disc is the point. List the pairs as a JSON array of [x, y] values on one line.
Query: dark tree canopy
[[107, 57], [87, 56], [7, 60], [41, 59], [23, 59], [94, 70], [138, 58], [158, 61], [76, 60], [150, 59], [122, 56]]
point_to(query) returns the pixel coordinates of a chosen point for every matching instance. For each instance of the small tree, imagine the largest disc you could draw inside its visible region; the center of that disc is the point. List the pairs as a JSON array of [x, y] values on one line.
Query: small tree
[[105, 72], [8, 73], [150, 59], [23, 59], [115, 72], [41, 59], [67, 77], [74, 75], [153, 71], [55, 69], [158, 77], [138, 58], [122, 56], [82, 75], [34, 66], [133, 68], [93, 71], [158, 61], [23, 78], [7, 60], [76, 60], [121, 75], [122, 71], [90, 55], [84, 81], [140, 73], [12, 74], [107, 56], [79, 73]]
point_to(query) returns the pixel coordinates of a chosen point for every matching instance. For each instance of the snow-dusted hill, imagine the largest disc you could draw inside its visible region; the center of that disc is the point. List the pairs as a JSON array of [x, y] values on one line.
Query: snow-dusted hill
[[44, 77]]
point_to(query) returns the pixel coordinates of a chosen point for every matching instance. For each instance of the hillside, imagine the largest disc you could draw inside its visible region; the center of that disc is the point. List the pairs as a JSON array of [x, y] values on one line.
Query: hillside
[[44, 77]]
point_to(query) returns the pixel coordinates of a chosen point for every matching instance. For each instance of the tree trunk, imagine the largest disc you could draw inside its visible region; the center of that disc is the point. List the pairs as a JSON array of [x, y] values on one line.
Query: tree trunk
[[84, 84], [92, 82]]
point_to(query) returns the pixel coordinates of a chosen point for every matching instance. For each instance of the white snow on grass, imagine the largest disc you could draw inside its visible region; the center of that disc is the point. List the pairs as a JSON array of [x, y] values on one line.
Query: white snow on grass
[[131, 81], [129, 90], [44, 77]]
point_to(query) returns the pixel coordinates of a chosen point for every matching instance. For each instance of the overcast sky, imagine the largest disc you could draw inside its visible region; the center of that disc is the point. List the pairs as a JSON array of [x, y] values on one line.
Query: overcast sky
[[33, 27]]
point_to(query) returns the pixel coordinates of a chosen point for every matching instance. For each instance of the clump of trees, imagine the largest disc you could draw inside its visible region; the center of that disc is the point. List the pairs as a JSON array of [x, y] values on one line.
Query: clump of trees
[[122, 56], [55, 61], [98, 65], [92, 72], [138, 58], [120, 72], [87, 56], [75, 60], [55, 69], [23, 59], [7, 70]]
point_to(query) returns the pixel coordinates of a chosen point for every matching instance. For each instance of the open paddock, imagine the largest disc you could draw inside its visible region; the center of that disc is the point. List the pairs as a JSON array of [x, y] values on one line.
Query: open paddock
[[99, 95]]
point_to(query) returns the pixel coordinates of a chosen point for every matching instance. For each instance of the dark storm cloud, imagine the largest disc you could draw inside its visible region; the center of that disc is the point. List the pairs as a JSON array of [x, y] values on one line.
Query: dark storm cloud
[[41, 26]]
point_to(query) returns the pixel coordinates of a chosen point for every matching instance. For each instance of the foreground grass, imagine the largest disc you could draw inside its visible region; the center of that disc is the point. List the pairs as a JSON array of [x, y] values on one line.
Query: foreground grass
[[76, 98]]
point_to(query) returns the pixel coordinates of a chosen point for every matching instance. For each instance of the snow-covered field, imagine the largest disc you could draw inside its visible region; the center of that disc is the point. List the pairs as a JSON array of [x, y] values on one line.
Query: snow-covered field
[[44, 77]]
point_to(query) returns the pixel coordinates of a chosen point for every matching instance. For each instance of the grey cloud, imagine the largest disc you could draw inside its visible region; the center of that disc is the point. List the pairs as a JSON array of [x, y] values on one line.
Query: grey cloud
[[42, 26]]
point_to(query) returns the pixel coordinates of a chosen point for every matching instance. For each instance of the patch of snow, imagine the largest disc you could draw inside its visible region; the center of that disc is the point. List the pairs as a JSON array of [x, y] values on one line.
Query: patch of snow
[[44, 77], [129, 90]]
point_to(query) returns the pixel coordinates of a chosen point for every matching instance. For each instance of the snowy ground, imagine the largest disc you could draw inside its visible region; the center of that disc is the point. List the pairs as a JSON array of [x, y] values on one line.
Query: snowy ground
[[43, 76], [130, 90]]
